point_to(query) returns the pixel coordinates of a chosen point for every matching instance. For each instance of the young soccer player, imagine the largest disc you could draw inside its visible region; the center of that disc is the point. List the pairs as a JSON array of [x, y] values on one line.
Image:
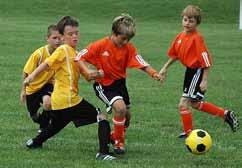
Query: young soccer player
[[113, 55], [38, 92], [67, 105], [189, 47]]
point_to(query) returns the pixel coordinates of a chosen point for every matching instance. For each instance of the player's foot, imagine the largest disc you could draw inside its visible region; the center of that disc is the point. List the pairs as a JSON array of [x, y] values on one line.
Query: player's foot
[[31, 144], [232, 120], [182, 135], [102, 156], [119, 150], [118, 145]]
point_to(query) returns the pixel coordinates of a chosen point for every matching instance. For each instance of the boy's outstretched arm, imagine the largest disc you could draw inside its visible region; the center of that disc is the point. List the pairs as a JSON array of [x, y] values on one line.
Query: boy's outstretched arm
[[88, 73], [35, 73], [164, 69], [151, 72]]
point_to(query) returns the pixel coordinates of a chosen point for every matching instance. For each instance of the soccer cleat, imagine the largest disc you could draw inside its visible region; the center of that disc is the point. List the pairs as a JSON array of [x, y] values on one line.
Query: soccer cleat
[[183, 135], [31, 144], [119, 150], [102, 156], [232, 120]]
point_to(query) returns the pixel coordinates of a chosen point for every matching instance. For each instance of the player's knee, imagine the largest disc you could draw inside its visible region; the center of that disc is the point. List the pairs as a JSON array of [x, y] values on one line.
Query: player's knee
[[121, 111], [120, 108], [183, 103], [46, 103]]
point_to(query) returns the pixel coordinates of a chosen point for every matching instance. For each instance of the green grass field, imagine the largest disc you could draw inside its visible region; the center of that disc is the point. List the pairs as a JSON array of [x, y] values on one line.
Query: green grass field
[[152, 138]]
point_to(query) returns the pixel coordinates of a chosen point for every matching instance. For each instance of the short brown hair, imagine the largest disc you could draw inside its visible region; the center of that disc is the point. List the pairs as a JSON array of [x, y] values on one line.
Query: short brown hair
[[192, 11], [66, 21], [124, 25], [50, 29]]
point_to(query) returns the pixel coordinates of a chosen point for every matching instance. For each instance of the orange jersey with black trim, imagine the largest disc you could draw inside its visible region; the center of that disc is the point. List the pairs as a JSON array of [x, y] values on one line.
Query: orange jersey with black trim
[[191, 50], [114, 61]]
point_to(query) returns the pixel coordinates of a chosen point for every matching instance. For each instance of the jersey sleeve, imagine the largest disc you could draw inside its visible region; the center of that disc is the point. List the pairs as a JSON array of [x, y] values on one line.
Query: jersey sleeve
[[89, 54], [135, 60], [172, 53], [202, 53], [56, 59], [32, 62]]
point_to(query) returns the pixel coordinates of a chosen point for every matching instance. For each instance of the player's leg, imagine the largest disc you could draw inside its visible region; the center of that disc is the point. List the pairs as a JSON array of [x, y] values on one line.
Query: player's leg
[[191, 79], [44, 117], [85, 113], [186, 116], [60, 118], [46, 102], [124, 93], [197, 102], [228, 116], [113, 99], [33, 104], [104, 132], [118, 134]]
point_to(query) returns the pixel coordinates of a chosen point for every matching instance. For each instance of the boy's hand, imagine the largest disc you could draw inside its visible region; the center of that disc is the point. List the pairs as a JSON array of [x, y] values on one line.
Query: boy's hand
[[95, 74], [162, 75], [27, 80], [203, 85], [156, 76], [23, 96]]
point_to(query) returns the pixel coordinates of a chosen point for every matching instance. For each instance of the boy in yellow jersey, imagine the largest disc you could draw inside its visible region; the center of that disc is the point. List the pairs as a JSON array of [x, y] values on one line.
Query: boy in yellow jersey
[[38, 92], [67, 105]]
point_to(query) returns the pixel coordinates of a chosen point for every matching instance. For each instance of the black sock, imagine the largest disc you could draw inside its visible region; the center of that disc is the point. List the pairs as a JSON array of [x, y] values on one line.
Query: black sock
[[104, 136], [44, 119]]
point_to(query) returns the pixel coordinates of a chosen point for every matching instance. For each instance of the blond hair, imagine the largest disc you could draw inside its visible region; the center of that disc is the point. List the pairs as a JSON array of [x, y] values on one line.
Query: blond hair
[[192, 11], [124, 25]]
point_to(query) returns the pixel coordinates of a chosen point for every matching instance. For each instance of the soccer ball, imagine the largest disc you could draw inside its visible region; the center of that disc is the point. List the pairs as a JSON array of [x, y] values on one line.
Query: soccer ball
[[198, 141]]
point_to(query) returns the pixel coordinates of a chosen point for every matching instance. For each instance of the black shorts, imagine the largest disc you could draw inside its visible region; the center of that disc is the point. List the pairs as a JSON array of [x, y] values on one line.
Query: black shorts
[[34, 100], [81, 114], [191, 85], [109, 94]]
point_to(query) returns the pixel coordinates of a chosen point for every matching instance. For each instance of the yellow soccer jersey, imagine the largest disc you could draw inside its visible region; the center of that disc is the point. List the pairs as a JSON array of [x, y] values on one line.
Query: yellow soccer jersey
[[33, 62], [67, 74]]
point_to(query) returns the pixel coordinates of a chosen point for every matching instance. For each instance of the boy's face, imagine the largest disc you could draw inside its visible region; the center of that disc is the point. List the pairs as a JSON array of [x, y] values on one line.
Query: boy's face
[[120, 40], [54, 40], [71, 36], [189, 24]]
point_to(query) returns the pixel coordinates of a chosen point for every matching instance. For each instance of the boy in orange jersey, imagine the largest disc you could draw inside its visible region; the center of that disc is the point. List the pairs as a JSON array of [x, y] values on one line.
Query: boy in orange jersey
[[67, 105], [38, 92], [113, 55], [189, 47]]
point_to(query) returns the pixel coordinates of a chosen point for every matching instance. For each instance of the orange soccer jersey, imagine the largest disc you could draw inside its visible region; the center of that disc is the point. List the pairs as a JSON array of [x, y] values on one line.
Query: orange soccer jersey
[[105, 55], [191, 50]]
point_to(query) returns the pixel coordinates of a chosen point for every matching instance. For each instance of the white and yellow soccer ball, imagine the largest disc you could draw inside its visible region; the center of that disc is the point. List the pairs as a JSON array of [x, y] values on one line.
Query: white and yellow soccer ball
[[198, 141]]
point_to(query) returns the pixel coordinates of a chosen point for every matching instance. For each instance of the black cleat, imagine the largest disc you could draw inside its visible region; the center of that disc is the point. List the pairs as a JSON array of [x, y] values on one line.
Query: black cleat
[[183, 135], [119, 150], [232, 120], [32, 145], [102, 156]]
